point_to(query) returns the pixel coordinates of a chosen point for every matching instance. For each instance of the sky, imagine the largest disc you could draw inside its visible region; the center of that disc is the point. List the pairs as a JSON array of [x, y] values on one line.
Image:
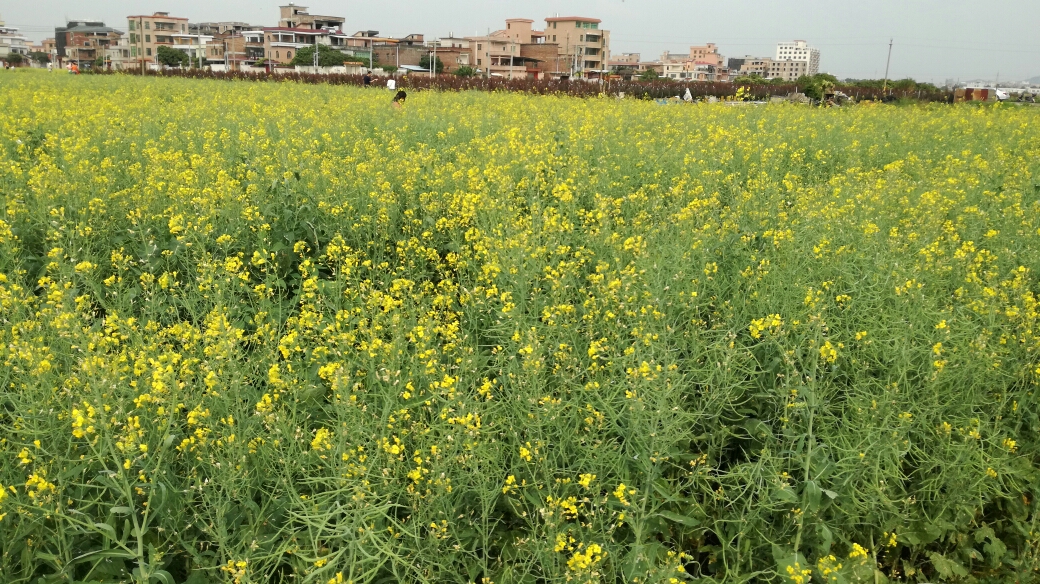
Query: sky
[[934, 40]]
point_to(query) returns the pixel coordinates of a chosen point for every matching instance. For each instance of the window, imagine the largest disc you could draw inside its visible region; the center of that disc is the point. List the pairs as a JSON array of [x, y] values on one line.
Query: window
[[277, 55], [288, 54], [554, 38], [182, 28], [147, 38], [133, 51], [132, 25], [147, 25], [133, 38], [479, 47], [480, 62], [148, 51]]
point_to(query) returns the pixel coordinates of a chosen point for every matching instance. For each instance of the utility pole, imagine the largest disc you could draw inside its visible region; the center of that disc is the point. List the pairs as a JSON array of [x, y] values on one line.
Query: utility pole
[[884, 88], [315, 53]]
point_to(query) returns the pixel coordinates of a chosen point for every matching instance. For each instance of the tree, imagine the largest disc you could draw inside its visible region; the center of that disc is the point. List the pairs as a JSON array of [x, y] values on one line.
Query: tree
[[171, 57], [327, 57], [650, 75], [816, 86], [425, 64], [40, 57], [14, 59], [465, 71]]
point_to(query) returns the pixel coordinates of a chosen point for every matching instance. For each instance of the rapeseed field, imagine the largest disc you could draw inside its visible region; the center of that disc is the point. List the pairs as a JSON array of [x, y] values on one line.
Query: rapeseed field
[[266, 332]]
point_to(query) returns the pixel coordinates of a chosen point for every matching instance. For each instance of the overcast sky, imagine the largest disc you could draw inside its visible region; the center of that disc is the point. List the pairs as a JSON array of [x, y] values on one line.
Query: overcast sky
[[934, 39]]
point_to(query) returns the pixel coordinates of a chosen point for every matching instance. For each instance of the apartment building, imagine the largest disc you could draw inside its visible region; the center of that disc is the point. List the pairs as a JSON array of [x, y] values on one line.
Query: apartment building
[[193, 45], [83, 42], [630, 60], [794, 59], [117, 55], [516, 52], [788, 70], [748, 65], [453, 52], [584, 48], [148, 33], [216, 29], [12, 42], [293, 16], [706, 54], [282, 44]]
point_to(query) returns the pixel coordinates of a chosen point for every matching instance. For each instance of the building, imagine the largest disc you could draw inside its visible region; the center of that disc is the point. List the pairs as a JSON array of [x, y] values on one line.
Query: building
[[117, 55], [148, 33], [215, 29], [517, 51], [12, 42], [46, 47], [676, 70], [630, 60], [282, 44], [399, 52], [788, 70], [84, 42], [193, 45], [453, 52], [748, 65], [794, 59], [584, 48], [293, 16], [706, 54]]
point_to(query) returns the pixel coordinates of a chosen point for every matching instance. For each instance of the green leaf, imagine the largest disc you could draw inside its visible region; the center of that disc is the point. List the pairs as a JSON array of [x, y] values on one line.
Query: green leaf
[[108, 529], [945, 567], [47, 557], [683, 519], [121, 510], [163, 576], [826, 538], [812, 496], [785, 494]]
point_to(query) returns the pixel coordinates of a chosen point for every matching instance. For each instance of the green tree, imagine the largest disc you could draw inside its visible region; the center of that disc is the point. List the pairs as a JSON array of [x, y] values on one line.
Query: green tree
[[14, 59], [425, 63], [172, 57], [650, 75], [327, 57], [816, 86], [465, 71], [40, 57]]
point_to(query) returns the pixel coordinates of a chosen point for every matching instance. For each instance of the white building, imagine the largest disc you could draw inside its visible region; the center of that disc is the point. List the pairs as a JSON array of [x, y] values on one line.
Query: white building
[[12, 41], [799, 52], [192, 44]]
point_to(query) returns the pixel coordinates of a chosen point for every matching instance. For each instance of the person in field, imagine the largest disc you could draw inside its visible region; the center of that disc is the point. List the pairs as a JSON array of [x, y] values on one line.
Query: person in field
[[368, 79], [399, 99]]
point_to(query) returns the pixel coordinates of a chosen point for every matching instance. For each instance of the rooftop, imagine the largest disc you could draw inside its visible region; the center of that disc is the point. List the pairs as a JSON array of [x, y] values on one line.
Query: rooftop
[[165, 15], [572, 19]]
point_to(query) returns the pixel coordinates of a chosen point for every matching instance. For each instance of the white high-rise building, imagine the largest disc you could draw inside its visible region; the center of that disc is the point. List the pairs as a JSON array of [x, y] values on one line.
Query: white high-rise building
[[800, 52]]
